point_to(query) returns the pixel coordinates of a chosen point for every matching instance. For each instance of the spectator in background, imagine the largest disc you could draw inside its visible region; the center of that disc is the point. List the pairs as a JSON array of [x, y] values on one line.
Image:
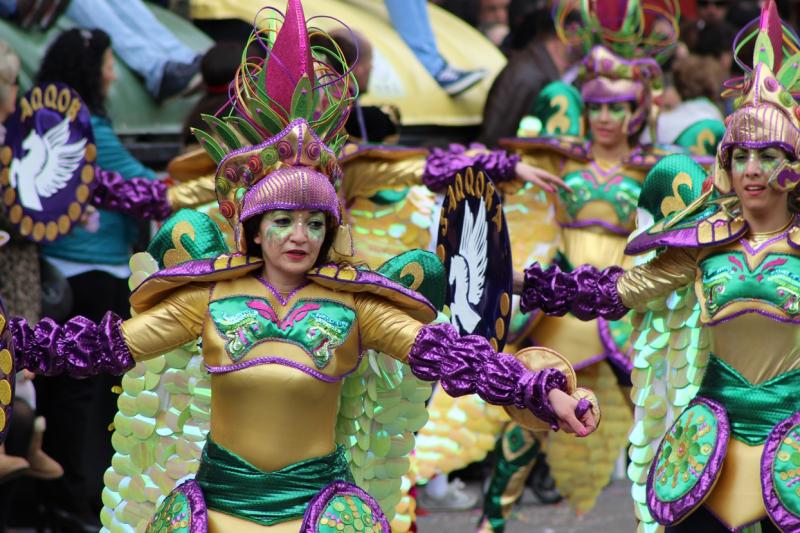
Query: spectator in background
[[543, 60], [217, 67], [167, 65], [712, 11], [26, 13], [96, 266], [697, 81], [410, 20], [493, 20], [366, 124]]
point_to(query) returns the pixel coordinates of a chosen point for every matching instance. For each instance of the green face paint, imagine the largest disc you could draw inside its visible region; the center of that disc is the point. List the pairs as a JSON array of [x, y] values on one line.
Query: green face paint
[[767, 159], [618, 111], [280, 225]]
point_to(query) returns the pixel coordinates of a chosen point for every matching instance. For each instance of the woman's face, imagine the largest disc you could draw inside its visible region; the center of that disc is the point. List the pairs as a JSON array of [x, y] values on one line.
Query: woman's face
[[609, 122], [107, 73], [291, 240], [750, 174]]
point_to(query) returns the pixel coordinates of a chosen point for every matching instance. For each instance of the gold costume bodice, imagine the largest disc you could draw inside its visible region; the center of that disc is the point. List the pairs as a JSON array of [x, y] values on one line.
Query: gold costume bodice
[[276, 364], [749, 293]]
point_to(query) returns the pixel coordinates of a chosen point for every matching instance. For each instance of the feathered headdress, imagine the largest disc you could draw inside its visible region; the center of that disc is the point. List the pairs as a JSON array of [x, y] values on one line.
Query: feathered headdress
[[623, 41], [275, 144], [766, 113]]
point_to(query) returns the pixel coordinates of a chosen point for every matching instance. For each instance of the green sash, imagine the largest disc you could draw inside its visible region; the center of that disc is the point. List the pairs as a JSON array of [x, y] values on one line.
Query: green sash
[[233, 486], [753, 410]]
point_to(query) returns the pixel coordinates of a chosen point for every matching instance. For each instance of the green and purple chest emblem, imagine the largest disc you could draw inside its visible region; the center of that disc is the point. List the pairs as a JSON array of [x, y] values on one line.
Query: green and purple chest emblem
[[316, 326], [591, 185], [727, 278]]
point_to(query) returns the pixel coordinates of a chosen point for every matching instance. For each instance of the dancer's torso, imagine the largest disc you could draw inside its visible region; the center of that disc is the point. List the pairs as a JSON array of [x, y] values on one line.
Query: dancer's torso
[[277, 402]]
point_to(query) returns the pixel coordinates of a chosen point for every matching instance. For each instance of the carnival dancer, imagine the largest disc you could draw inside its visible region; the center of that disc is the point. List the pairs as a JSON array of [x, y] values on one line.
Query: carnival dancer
[[284, 320], [594, 211], [727, 461]]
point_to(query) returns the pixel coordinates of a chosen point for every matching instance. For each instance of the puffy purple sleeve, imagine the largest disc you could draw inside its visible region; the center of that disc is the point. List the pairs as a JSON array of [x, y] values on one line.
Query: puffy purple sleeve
[[80, 348], [443, 164], [586, 292], [469, 365], [138, 197]]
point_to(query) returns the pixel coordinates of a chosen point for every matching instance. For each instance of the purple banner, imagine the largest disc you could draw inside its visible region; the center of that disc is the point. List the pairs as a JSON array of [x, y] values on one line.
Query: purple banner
[[47, 164]]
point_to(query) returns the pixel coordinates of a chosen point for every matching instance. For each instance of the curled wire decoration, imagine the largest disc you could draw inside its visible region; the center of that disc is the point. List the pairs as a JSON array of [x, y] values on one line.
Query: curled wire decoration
[[332, 89], [630, 28]]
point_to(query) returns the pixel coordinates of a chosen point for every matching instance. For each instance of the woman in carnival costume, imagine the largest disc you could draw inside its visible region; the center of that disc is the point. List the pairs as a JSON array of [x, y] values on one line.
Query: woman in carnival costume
[[283, 321], [728, 461], [594, 213]]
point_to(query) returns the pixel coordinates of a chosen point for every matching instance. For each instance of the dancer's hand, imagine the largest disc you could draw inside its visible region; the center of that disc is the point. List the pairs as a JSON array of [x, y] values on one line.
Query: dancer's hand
[[564, 406], [539, 177]]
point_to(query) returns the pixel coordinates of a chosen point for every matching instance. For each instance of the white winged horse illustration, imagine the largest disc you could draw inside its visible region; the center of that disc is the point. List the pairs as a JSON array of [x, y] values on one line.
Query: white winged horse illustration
[[468, 270], [47, 165]]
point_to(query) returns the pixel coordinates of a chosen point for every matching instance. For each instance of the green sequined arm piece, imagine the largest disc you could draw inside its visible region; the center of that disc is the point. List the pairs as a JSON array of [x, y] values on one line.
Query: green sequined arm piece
[[671, 354]]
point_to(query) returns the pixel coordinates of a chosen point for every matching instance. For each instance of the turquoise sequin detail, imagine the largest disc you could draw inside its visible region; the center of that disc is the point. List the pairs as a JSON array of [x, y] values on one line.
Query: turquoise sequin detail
[[621, 192], [317, 326], [727, 278]]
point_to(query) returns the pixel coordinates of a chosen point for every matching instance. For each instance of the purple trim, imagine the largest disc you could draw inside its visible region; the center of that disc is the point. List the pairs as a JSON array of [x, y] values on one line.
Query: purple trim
[[586, 292], [586, 363], [197, 503], [469, 365], [677, 238], [272, 360], [198, 267], [614, 354], [138, 197], [785, 519], [613, 228], [669, 513], [259, 209], [368, 277], [318, 504], [757, 311], [277, 294], [589, 99], [753, 251]]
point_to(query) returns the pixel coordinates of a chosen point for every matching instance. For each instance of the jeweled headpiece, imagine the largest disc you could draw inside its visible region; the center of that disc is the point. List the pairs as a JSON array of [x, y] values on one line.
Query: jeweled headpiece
[[766, 113], [275, 144], [623, 41]]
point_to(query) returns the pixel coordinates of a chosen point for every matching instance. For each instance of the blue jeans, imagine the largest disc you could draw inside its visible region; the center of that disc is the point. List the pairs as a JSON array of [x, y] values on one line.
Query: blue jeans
[[137, 37], [7, 8], [410, 20]]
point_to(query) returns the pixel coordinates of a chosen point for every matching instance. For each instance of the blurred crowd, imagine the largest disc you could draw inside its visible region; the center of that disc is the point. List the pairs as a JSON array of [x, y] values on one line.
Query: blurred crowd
[[60, 437]]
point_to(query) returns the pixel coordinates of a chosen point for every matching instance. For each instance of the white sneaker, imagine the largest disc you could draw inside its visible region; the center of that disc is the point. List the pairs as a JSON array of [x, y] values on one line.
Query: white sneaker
[[457, 498]]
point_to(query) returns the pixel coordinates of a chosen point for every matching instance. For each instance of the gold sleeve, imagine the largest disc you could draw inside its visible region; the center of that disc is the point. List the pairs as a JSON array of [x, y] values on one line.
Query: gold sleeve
[[546, 160], [192, 193], [384, 327], [365, 176], [173, 322], [672, 269]]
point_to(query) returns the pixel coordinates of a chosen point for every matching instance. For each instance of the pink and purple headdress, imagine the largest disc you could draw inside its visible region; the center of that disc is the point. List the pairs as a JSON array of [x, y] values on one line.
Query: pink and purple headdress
[[623, 41], [275, 144], [766, 112]]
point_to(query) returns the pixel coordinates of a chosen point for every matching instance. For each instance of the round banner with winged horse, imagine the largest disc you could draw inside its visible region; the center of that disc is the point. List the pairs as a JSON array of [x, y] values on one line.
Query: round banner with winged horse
[[47, 164], [474, 247]]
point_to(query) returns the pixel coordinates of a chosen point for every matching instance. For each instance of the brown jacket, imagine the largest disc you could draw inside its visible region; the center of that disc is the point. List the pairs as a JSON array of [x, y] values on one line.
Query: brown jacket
[[514, 90]]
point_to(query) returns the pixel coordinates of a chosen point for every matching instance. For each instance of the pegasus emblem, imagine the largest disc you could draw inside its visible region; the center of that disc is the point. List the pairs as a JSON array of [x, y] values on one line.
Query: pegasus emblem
[[47, 165], [468, 270]]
